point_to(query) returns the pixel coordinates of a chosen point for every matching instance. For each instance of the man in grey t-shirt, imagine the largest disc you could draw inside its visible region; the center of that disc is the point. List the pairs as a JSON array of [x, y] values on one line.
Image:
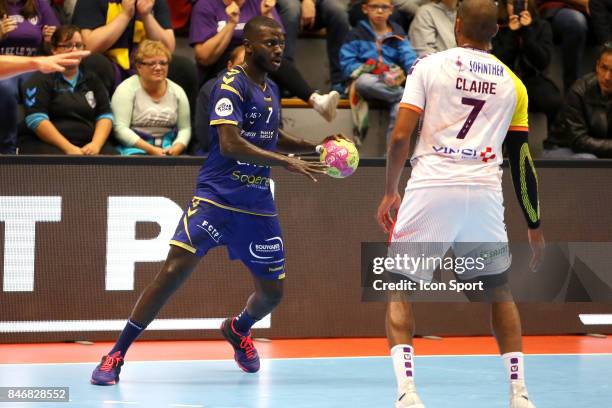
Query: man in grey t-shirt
[[432, 29]]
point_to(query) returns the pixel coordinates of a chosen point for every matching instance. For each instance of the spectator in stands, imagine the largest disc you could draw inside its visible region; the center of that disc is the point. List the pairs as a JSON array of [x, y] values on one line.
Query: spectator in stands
[[151, 112], [570, 28], [68, 112], [524, 43], [26, 27], [314, 15], [433, 27], [115, 28], [217, 28], [601, 17], [376, 56], [584, 123], [403, 12]]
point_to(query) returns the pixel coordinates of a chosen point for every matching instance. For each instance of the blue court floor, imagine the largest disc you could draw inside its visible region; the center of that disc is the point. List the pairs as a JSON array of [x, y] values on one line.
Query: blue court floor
[[554, 381]]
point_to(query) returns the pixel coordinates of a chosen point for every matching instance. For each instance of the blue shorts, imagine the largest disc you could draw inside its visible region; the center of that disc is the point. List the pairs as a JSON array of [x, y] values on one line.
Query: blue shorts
[[256, 240]]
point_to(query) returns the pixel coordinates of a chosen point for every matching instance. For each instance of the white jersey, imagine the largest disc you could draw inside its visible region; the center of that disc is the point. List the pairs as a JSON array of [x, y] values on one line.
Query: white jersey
[[468, 100]]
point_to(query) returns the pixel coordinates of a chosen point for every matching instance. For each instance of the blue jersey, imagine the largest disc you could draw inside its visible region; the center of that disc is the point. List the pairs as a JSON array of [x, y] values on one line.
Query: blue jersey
[[226, 182]]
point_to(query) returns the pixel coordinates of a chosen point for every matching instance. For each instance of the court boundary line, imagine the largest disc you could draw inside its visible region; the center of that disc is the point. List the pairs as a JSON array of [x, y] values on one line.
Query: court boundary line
[[320, 358]]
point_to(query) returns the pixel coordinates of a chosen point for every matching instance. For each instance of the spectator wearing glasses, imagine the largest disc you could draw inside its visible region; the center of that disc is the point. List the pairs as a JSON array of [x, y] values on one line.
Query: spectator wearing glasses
[[375, 58], [26, 27], [151, 112], [584, 122], [403, 12], [433, 27], [66, 112], [115, 28]]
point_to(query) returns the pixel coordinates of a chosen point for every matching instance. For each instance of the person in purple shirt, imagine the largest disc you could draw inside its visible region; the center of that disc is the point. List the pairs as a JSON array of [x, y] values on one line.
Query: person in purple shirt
[[26, 27], [233, 204], [217, 27]]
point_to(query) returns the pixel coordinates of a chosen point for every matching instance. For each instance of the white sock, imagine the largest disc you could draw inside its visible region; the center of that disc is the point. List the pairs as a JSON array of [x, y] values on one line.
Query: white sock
[[515, 367], [403, 363]]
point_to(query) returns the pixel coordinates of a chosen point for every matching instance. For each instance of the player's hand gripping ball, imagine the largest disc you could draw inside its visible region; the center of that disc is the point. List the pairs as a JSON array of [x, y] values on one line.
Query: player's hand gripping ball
[[341, 156]]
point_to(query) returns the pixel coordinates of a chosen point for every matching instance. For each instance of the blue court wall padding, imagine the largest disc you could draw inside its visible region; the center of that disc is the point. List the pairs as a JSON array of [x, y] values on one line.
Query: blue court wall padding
[[80, 238]]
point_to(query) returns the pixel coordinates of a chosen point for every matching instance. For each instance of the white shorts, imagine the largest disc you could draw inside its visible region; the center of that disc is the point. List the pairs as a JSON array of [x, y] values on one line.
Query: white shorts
[[468, 219]]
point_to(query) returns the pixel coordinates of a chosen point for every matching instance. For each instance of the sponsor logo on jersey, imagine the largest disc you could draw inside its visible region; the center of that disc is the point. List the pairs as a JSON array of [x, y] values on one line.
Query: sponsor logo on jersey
[[486, 155], [248, 135], [253, 115], [485, 68], [238, 162], [490, 255], [251, 180], [210, 230], [224, 107], [267, 249], [465, 153], [267, 134]]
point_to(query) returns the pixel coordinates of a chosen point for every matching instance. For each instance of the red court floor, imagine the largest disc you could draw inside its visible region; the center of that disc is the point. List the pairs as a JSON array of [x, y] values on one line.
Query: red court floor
[[297, 348]]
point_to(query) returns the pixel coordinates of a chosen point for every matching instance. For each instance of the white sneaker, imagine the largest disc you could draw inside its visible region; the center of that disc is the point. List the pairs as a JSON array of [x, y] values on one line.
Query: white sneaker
[[519, 397], [408, 398], [326, 104]]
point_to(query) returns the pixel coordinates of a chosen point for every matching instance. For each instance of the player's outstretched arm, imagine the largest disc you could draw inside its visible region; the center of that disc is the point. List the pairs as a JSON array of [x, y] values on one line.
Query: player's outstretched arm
[[289, 143], [233, 145], [397, 153], [13, 65], [525, 181]]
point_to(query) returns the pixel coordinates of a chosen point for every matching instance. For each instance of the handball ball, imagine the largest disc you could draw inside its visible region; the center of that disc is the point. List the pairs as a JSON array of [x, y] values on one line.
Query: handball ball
[[340, 155]]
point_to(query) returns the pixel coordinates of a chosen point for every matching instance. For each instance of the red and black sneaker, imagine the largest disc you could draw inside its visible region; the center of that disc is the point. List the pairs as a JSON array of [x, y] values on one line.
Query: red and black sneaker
[[107, 372], [244, 352]]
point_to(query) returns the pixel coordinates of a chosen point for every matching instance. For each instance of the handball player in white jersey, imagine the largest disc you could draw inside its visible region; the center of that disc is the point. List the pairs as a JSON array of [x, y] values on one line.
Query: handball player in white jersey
[[468, 103]]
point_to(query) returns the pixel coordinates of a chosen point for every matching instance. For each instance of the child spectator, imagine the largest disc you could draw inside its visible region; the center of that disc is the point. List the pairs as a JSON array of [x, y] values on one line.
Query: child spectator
[[403, 12], [151, 112], [66, 112], [376, 57]]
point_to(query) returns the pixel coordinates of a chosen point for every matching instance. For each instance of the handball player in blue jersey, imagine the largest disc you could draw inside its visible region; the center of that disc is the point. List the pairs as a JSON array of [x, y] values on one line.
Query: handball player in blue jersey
[[233, 204]]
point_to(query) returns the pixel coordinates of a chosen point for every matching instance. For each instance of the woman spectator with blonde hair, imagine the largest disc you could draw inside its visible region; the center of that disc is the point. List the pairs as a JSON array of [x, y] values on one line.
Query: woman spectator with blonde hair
[[151, 112]]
